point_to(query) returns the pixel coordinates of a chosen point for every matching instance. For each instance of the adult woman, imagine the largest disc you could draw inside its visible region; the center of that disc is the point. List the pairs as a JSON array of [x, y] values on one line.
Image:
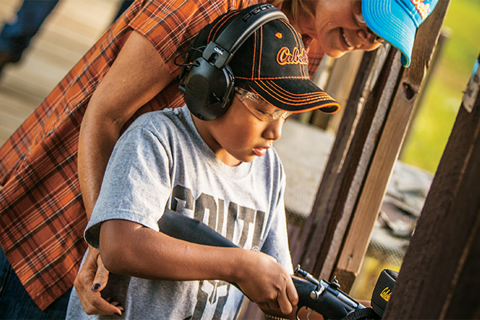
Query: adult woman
[[129, 71]]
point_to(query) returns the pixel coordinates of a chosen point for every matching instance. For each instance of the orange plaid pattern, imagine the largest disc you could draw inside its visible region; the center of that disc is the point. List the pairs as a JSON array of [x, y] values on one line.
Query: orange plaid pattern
[[42, 217]]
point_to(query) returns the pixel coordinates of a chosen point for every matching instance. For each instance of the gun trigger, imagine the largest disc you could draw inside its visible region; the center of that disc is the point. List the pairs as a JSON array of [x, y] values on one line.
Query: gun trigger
[[309, 313]]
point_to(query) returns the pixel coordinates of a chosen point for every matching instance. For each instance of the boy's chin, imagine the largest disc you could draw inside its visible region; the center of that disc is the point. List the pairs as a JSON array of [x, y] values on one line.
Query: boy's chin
[[235, 160], [245, 159], [249, 158]]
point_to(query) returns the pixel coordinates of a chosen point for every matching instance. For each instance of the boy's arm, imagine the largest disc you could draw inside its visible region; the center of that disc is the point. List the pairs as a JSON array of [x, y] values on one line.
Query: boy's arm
[[132, 249]]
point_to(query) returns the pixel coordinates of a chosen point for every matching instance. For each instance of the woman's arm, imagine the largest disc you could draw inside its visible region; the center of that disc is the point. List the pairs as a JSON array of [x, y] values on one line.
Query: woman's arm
[[136, 76], [132, 249]]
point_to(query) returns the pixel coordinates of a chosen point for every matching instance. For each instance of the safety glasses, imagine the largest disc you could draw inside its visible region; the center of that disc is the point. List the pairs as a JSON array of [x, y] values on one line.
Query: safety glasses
[[258, 107]]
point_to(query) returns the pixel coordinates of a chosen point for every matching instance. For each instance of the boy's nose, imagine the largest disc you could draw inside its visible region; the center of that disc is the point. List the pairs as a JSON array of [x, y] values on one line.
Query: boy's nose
[[274, 129]]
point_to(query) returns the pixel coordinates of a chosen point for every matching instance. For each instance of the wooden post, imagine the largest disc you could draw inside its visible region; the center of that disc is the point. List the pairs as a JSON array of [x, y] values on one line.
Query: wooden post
[[337, 233], [439, 48], [317, 238], [388, 147], [335, 170], [439, 278], [362, 158]]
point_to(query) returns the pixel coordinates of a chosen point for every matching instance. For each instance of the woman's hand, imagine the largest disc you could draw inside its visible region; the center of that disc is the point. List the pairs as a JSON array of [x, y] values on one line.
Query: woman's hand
[[135, 77], [91, 280]]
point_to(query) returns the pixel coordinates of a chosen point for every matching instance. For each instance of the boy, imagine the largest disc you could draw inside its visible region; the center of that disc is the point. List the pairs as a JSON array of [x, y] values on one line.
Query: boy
[[222, 172]]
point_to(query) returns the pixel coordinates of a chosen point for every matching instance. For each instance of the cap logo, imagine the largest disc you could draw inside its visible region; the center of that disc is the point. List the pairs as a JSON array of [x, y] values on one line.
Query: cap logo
[[422, 8], [279, 35], [284, 56]]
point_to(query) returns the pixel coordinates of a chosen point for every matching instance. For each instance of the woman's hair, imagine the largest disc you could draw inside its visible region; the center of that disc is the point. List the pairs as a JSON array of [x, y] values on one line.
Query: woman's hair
[[292, 6]]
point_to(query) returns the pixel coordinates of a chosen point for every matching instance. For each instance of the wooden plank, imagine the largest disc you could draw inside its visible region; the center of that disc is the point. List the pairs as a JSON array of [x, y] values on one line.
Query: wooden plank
[[389, 145], [14, 108], [312, 247], [87, 16], [339, 86], [322, 224], [70, 40], [343, 186], [8, 9], [12, 114], [72, 28], [9, 121], [373, 189], [364, 148], [69, 28], [462, 302], [439, 277], [34, 76]]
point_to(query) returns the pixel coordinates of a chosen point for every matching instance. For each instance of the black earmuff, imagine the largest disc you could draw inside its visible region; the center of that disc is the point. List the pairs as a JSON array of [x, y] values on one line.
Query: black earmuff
[[208, 83]]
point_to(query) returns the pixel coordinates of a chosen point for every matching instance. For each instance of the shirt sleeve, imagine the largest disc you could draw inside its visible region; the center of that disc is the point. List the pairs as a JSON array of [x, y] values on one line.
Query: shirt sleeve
[[136, 185]]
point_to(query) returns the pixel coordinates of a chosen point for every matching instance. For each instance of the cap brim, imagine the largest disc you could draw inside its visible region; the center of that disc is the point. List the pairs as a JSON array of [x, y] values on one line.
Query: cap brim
[[294, 95], [389, 20]]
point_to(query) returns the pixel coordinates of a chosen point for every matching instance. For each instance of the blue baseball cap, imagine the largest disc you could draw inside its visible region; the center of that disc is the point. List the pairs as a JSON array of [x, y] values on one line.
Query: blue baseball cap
[[397, 21]]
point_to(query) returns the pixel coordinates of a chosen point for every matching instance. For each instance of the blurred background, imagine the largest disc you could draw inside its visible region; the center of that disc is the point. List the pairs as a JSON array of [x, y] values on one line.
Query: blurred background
[[443, 93], [64, 37]]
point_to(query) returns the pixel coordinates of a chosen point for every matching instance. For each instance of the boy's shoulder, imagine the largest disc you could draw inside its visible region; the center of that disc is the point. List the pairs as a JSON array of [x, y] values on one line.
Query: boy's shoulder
[[162, 121]]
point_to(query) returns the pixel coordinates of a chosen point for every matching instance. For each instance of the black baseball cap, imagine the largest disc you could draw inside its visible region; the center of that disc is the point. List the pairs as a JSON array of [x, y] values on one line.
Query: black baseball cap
[[273, 62]]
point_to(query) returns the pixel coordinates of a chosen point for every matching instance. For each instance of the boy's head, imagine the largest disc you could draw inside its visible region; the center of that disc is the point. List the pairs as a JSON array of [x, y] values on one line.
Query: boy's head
[[271, 64]]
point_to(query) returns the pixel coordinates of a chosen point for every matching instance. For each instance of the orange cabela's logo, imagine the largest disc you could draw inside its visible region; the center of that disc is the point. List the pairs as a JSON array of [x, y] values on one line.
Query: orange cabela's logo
[[421, 7], [284, 56]]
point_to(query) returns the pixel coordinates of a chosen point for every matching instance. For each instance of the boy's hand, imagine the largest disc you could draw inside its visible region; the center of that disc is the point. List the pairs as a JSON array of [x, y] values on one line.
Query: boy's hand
[[267, 283], [91, 280]]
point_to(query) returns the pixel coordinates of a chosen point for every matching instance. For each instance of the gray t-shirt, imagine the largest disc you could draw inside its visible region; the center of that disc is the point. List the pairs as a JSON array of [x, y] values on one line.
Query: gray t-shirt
[[160, 162]]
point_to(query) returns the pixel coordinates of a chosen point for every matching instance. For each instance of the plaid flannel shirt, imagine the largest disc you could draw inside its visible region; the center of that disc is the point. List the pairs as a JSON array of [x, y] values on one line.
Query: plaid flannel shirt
[[42, 216]]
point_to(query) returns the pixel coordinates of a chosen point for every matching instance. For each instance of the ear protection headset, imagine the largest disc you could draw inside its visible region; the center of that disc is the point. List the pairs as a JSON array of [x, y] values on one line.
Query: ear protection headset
[[208, 83]]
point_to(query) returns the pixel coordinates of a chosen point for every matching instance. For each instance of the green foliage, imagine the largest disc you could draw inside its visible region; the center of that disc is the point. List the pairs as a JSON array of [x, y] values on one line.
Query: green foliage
[[443, 93], [463, 48]]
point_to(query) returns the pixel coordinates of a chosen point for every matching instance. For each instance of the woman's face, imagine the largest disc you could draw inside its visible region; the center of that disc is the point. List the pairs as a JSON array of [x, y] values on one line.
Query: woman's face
[[338, 27]]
